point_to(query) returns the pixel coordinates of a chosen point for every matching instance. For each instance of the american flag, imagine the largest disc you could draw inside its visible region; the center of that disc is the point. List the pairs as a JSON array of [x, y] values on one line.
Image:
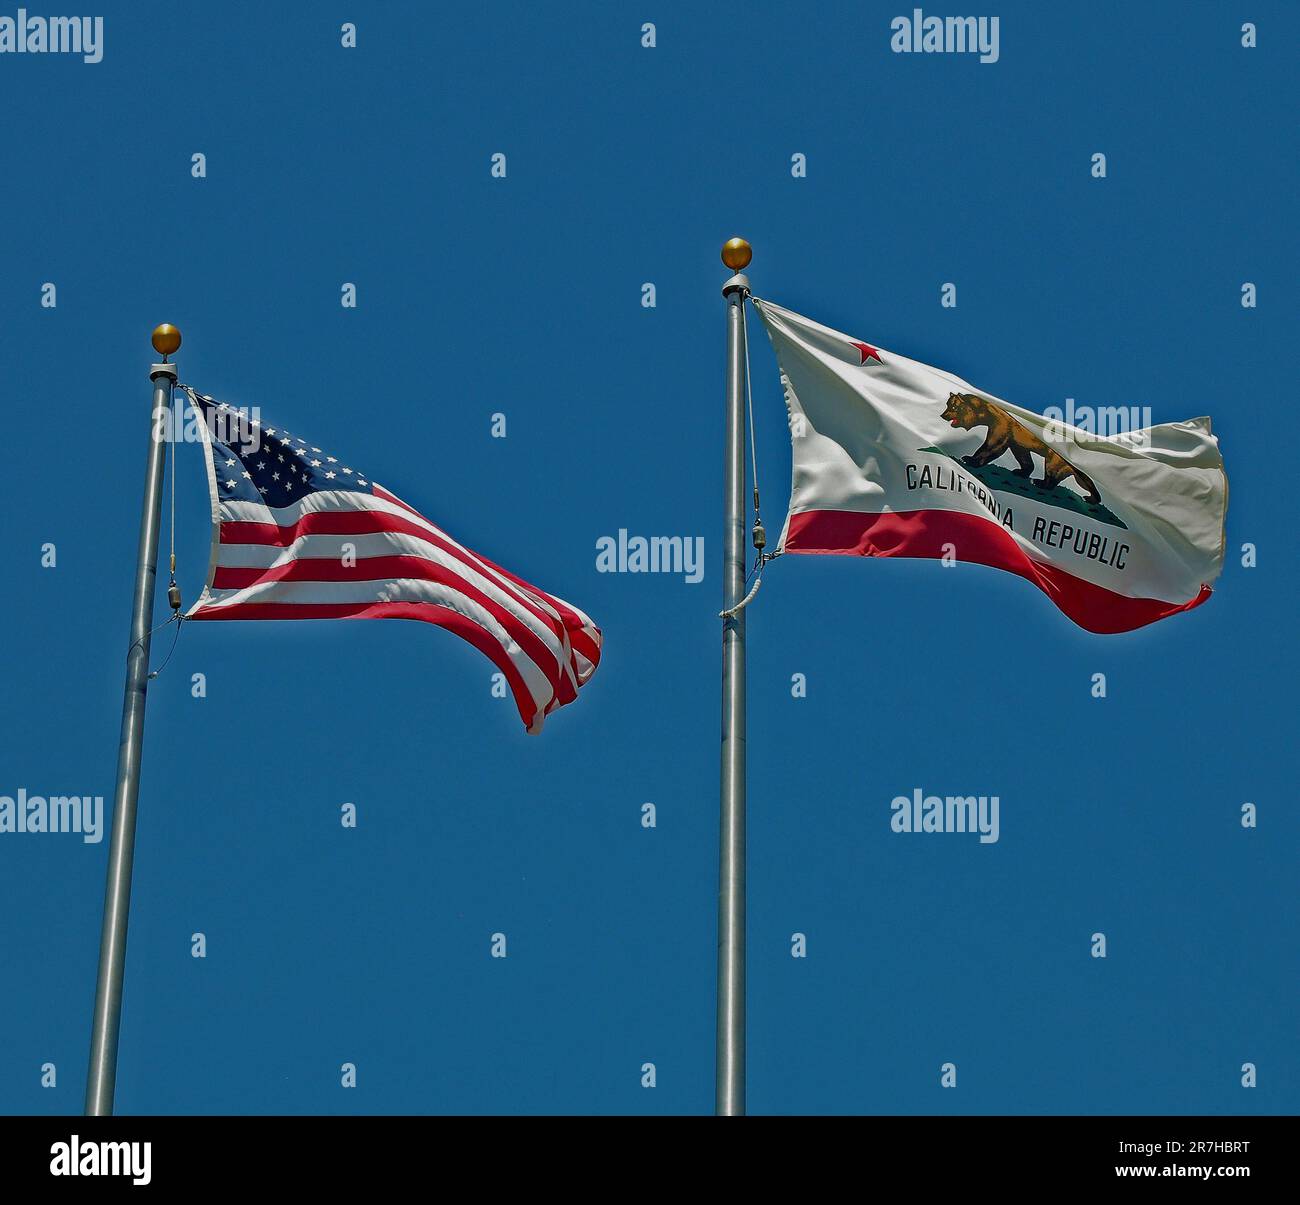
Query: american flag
[[300, 534]]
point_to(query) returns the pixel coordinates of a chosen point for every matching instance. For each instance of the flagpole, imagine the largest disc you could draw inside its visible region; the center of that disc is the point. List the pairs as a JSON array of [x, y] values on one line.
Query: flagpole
[[102, 1075], [730, 1100]]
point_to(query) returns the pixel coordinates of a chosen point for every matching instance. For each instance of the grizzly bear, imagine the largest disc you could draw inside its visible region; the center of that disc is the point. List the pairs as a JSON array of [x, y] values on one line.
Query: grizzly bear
[[967, 410]]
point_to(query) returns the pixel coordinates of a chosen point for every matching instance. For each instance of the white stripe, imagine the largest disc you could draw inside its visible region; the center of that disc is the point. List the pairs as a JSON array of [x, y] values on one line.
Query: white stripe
[[324, 501], [302, 594], [385, 543]]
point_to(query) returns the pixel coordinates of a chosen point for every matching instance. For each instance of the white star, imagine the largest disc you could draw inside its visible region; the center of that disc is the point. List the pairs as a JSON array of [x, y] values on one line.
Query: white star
[[348, 472], [330, 474], [275, 476], [315, 449], [261, 464], [315, 464], [270, 430], [230, 485], [229, 463], [261, 489], [280, 459], [248, 476], [331, 460], [360, 481], [300, 451]]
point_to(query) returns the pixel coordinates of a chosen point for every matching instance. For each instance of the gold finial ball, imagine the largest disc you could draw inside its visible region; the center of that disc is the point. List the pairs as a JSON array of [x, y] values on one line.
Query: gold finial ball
[[736, 254], [166, 339]]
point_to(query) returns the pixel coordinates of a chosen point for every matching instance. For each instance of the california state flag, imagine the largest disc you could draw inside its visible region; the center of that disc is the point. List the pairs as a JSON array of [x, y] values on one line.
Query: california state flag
[[895, 458]]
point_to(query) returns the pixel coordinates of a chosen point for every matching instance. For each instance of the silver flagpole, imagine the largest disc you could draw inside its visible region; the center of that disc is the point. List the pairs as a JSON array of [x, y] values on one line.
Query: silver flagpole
[[102, 1076], [736, 255]]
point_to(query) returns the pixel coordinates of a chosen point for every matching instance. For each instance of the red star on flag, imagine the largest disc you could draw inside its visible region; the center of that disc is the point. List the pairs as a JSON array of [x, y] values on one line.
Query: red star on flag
[[868, 352]]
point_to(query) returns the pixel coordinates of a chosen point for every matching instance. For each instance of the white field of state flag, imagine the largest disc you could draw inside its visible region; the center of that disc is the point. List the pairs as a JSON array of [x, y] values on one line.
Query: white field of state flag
[[894, 458]]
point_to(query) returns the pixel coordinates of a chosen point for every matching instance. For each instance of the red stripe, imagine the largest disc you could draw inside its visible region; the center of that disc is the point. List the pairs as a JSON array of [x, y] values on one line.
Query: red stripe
[[584, 644], [323, 522], [332, 569], [580, 639], [579, 636], [380, 492], [385, 568], [440, 616], [923, 533], [357, 523]]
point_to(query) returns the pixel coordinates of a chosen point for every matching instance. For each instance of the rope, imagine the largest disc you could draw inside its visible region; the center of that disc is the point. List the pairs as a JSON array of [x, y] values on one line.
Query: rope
[[172, 594], [744, 602], [759, 534], [171, 404], [753, 447]]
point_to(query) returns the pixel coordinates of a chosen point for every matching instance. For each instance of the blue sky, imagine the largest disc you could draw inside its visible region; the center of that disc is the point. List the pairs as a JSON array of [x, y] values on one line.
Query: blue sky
[[523, 296]]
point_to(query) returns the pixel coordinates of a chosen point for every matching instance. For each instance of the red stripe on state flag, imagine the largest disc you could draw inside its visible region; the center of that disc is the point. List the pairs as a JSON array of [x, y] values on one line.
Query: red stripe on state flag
[[923, 534]]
